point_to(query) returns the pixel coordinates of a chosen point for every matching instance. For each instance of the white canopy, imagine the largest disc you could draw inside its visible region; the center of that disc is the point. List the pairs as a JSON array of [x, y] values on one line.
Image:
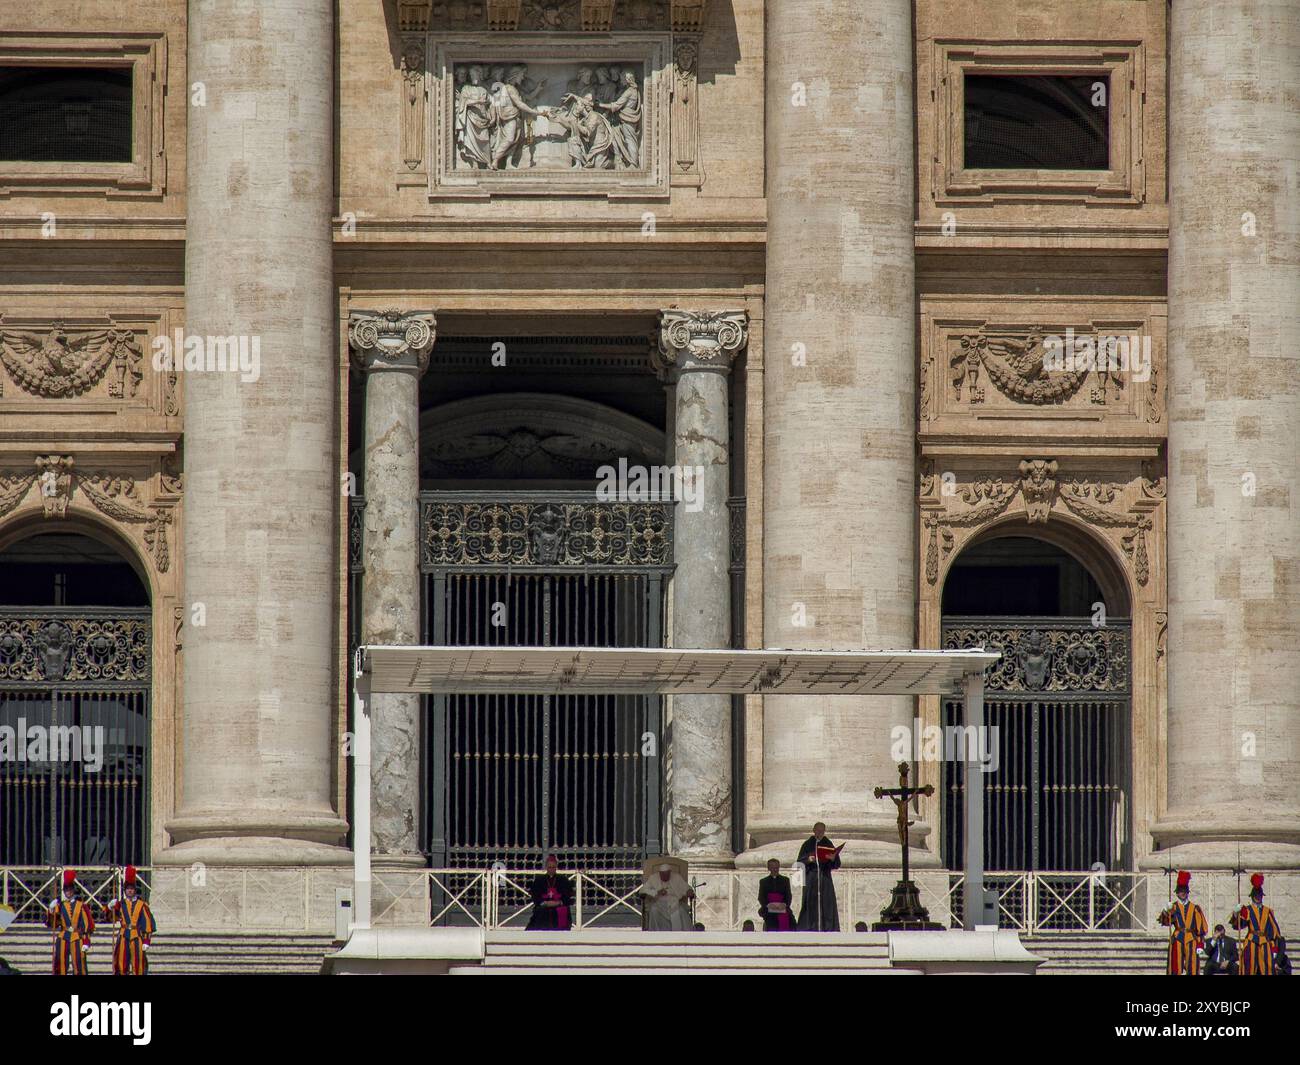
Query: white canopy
[[663, 671], [666, 671]]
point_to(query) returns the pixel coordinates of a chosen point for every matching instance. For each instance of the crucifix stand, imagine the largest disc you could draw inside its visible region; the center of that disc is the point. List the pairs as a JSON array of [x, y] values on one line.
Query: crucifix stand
[[904, 912]]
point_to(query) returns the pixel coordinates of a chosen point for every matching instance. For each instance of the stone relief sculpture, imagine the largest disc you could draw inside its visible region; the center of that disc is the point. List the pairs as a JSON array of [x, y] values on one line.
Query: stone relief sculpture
[[57, 364], [503, 121]]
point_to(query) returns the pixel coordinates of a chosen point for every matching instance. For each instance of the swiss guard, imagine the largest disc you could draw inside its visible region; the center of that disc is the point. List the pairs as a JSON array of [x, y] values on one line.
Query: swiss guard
[[133, 928], [1262, 932], [1187, 931], [72, 922]]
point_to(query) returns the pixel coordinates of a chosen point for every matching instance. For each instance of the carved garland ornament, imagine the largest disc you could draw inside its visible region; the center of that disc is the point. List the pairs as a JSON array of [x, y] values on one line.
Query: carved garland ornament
[[1038, 486], [57, 364], [112, 495]]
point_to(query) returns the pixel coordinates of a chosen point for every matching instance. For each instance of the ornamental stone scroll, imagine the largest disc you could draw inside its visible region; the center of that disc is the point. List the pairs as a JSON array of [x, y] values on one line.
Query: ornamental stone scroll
[[391, 340]]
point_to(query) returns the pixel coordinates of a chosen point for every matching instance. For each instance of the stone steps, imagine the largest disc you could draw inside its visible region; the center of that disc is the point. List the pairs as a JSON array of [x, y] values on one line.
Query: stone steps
[[629, 952], [1099, 955], [183, 954]]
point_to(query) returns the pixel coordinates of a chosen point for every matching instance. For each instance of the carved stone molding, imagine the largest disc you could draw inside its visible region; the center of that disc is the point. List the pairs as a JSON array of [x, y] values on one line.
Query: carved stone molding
[[54, 474], [597, 15], [391, 340], [953, 511], [685, 118], [701, 340], [414, 103], [688, 16], [55, 363], [114, 495], [503, 14]]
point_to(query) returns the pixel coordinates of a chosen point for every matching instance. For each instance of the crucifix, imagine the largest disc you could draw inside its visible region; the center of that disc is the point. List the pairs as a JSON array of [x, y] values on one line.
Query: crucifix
[[901, 796], [904, 911]]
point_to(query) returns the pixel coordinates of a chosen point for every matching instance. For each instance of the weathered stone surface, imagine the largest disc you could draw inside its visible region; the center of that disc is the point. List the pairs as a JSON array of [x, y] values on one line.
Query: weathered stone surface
[[1234, 436]]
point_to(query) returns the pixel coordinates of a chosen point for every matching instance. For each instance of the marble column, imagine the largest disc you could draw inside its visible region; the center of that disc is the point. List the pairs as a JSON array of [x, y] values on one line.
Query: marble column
[[839, 436], [392, 350], [1234, 436], [261, 531], [696, 350]]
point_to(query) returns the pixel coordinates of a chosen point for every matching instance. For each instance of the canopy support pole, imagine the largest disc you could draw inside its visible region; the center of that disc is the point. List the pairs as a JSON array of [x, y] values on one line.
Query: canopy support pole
[[973, 886]]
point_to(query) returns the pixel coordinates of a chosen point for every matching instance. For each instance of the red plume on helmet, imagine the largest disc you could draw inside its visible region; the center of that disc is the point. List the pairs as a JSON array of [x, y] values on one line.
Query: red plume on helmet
[[1184, 879], [128, 877], [69, 877], [1256, 882]]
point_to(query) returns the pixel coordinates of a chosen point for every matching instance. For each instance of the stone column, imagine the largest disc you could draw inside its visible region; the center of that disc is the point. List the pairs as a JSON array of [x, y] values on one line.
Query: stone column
[[839, 434], [261, 537], [696, 349], [1234, 436], [392, 350]]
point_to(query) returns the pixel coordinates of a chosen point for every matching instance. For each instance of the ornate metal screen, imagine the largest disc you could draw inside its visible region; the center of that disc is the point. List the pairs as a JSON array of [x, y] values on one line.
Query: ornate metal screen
[[1058, 710], [74, 736], [511, 778]]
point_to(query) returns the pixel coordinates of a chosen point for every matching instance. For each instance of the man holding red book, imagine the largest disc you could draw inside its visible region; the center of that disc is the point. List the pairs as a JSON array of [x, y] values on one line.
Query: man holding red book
[[820, 858]]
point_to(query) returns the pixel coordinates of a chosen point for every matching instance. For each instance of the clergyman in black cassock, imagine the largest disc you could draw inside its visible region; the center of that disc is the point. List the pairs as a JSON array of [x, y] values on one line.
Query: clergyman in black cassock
[[774, 899], [552, 897], [820, 912]]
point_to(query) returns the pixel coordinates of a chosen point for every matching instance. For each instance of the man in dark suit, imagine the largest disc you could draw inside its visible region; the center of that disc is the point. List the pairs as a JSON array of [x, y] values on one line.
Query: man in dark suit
[[774, 899], [1220, 954]]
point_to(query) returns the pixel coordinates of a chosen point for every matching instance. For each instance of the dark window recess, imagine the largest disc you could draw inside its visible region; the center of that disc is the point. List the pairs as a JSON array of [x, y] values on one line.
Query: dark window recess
[[1037, 122], [65, 114]]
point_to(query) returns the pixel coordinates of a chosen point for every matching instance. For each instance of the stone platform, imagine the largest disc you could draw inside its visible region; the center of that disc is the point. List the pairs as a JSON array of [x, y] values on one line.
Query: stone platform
[[631, 952]]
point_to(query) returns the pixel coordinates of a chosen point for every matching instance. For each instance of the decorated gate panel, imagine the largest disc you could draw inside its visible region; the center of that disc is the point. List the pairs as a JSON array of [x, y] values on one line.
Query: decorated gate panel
[[1057, 708], [512, 778]]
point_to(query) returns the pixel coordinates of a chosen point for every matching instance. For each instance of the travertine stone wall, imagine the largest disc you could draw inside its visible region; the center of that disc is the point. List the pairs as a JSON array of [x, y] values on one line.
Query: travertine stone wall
[[839, 416], [1234, 435], [260, 542]]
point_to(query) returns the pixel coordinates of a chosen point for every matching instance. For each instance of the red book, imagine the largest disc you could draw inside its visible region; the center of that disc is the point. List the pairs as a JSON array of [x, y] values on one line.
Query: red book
[[828, 854]]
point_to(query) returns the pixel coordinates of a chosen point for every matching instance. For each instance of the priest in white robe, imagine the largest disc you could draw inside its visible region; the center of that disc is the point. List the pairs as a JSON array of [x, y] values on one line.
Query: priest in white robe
[[666, 897]]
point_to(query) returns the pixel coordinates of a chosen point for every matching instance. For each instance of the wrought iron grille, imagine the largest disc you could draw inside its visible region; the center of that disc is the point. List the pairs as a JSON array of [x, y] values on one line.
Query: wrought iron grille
[[1057, 708], [74, 736], [512, 778]]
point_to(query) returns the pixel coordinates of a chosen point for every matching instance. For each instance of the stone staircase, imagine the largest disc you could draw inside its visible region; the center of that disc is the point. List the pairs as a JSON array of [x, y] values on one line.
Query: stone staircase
[[606, 952], [184, 953], [626, 952], [1095, 954]]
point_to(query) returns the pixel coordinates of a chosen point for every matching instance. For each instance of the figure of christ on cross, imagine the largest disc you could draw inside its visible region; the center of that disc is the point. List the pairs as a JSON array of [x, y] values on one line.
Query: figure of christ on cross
[[904, 910], [901, 797]]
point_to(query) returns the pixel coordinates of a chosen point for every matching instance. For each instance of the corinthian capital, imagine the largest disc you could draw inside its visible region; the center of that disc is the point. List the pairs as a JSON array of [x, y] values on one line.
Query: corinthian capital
[[391, 340], [701, 340]]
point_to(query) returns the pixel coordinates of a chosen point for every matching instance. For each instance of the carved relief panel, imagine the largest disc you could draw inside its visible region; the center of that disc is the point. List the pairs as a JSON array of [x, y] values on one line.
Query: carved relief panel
[[1043, 368], [1119, 503], [83, 363], [555, 114]]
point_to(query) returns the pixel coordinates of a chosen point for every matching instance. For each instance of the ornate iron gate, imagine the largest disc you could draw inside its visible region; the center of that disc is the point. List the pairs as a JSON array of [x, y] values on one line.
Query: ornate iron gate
[[74, 736], [511, 778], [1058, 707]]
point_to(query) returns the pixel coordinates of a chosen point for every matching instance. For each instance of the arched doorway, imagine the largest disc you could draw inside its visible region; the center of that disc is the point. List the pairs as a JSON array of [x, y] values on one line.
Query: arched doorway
[[1058, 705], [75, 692]]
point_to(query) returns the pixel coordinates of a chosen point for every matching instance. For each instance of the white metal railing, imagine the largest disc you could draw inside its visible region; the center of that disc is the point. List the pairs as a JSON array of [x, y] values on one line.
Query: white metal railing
[[298, 900]]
